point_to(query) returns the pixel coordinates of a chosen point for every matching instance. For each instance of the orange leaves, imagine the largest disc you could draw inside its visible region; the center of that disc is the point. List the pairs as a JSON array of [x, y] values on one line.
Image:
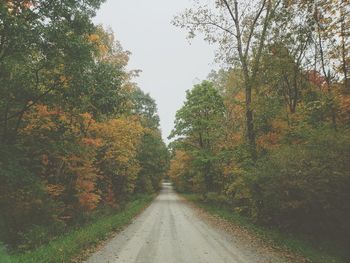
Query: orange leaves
[[93, 38], [85, 120], [45, 160], [64, 81], [179, 164], [85, 185], [270, 140], [15, 7], [100, 40], [92, 142], [55, 190], [279, 125], [45, 120], [89, 200], [78, 147], [40, 118], [120, 139], [231, 168], [110, 198], [121, 136], [317, 79]]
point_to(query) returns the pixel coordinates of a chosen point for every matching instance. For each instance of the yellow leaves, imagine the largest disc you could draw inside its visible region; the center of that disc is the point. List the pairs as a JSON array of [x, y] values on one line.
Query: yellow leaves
[[42, 110], [14, 8], [89, 200], [344, 106], [86, 121], [184, 175], [85, 184], [87, 117], [113, 142], [86, 176], [121, 134], [64, 81], [63, 118], [271, 140], [103, 49], [231, 168], [93, 38], [100, 42], [40, 118], [268, 141], [120, 138], [236, 137], [55, 190], [279, 125], [92, 142], [179, 164]]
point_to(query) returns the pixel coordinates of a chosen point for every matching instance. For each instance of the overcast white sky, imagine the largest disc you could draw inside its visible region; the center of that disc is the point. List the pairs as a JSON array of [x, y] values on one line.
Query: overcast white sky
[[169, 64]]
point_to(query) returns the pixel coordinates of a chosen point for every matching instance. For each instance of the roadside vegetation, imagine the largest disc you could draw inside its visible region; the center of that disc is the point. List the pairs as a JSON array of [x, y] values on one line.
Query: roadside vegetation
[[77, 136], [68, 246], [268, 133], [264, 141], [311, 248]]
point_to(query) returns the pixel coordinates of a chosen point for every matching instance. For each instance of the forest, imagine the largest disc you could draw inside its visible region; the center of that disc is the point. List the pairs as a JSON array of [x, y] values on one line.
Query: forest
[[267, 135], [78, 138]]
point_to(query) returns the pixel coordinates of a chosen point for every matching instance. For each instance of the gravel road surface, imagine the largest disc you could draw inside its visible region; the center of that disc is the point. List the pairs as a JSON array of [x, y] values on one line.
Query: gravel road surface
[[170, 231]]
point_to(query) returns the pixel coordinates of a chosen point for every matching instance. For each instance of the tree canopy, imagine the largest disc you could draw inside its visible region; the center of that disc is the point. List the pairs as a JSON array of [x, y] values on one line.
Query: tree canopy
[[77, 135]]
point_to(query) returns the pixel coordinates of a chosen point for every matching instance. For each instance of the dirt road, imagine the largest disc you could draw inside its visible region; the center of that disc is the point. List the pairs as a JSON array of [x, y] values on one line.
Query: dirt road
[[169, 231]]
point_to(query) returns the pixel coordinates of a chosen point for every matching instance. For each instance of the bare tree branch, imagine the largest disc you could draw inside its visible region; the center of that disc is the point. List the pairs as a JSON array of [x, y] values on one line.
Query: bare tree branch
[[252, 28], [234, 18], [28, 106]]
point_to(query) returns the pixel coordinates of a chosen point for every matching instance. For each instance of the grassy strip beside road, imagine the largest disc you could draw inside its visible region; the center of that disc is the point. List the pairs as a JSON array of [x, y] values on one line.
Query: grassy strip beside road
[[315, 251], [64, 248]]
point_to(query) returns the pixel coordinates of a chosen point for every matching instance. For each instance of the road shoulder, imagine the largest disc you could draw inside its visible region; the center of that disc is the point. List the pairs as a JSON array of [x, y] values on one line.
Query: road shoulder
[[246, 238]]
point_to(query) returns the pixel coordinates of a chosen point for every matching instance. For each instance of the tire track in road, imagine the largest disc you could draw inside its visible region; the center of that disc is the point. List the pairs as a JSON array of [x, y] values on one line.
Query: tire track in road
[[169, 231]]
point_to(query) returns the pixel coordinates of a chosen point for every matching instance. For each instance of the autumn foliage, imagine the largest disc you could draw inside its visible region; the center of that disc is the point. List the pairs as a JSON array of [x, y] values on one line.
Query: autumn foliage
[[72, 132], [279, 153]]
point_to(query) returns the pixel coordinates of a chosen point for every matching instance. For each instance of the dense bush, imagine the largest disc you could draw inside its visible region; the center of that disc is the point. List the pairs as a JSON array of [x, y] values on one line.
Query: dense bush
[[305, 187], [299, 179]]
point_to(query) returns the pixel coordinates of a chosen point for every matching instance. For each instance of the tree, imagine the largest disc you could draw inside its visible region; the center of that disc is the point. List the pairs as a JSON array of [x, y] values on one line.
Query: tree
[[153, 157], [76, 134], [197, 128], [43, 46], [240, 29], [152, 152], [145, 106], [299, 174]]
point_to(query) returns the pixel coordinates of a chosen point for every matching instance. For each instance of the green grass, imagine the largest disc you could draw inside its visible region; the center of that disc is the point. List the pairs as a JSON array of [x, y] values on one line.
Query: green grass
[[314, 250], [4, 258], [67, 246]]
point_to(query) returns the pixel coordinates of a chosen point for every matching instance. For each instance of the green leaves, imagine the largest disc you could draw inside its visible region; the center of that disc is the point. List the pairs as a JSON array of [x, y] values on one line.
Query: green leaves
[[75, 131], [197, 130], [200, 116]]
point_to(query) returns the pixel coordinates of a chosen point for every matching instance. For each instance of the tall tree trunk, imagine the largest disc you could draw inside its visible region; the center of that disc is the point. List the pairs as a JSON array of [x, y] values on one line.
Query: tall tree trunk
[[249, 120], [244, 49], [326, 75], [5, 124], [343, 51]]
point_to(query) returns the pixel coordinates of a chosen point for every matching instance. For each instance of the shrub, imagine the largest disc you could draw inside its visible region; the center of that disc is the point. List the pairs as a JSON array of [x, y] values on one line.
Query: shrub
[[305, 187]]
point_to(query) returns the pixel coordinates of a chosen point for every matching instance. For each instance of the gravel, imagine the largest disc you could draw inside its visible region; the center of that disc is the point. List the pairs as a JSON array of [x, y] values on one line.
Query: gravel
[[172, 231]]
